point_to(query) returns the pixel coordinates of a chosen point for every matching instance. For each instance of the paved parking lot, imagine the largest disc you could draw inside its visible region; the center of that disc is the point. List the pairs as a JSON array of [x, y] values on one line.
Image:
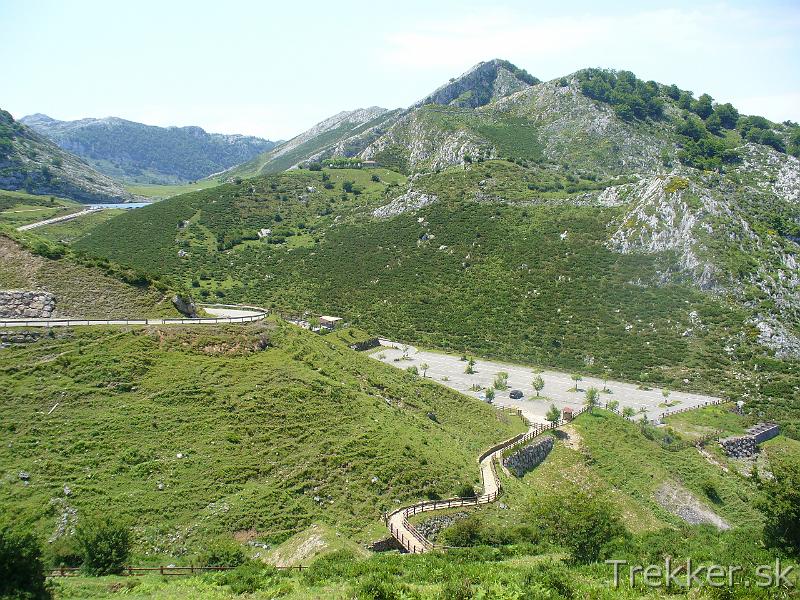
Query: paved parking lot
[[449, 370]]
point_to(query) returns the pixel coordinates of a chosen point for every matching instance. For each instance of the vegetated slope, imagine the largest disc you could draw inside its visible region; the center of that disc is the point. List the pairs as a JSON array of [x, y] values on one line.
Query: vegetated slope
[[324, 136], [93, 290], [194, 432], [31, 163], [138, 153], [627, 230]]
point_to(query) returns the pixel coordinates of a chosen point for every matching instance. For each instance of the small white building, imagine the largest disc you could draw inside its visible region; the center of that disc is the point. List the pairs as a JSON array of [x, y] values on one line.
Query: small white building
[[262, 233], [329, 322]]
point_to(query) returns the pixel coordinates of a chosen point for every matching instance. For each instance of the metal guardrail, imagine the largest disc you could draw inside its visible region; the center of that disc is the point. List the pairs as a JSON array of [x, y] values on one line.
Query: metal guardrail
[[162, 321]]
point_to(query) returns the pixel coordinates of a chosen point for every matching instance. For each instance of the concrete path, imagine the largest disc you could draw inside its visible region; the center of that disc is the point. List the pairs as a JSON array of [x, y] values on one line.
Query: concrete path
[[449, 370], [57, 219]]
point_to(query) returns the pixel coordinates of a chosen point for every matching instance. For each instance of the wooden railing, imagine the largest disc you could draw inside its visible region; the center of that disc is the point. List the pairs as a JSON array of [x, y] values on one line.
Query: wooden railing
[[161, 570], [408, 544]]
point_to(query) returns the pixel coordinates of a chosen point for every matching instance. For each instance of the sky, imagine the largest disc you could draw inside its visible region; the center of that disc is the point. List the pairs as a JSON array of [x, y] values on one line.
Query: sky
[[275, 68]]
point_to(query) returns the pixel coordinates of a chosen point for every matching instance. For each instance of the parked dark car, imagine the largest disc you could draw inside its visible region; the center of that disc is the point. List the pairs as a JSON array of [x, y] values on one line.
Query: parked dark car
[[515, 394]]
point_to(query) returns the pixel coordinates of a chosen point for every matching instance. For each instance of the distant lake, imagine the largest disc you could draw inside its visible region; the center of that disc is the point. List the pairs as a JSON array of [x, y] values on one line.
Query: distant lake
[[125, 205]]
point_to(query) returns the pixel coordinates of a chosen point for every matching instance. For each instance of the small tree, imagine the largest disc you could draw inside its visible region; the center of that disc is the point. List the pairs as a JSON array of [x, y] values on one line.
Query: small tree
[[501, 381], [424, 367], [592, 397], [553, 415], [105, 543], [538, 384], [613, 405], [665, 392], [628, 412], [576, 377], [470, 367], [489, 394]]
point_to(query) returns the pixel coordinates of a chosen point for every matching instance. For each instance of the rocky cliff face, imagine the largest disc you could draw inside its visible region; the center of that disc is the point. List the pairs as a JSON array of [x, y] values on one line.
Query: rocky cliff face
[[482, 84]]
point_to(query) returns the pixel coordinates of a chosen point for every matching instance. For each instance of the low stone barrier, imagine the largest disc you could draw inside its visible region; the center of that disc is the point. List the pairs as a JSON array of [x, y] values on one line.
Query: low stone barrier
[[528, 457], [26, 304], [744, 446]]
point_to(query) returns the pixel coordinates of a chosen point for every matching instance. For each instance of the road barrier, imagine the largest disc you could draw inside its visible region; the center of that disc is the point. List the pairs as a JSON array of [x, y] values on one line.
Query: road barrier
[[163, 321]]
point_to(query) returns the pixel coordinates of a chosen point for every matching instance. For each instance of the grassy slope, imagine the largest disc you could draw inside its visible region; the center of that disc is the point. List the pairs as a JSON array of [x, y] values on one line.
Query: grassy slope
[[74, 229], [614, 459], [80, 290], [19, 208], [168, 191], [263, 433]]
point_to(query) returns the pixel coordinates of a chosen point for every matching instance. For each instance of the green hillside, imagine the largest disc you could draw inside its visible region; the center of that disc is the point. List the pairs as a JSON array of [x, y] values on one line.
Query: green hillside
[[483, 269], [31, 163], [89, 289], [196, 432]]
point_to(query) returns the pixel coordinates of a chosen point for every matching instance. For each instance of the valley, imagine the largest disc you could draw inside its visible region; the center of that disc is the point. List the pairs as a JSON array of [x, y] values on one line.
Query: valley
[[552, 301]]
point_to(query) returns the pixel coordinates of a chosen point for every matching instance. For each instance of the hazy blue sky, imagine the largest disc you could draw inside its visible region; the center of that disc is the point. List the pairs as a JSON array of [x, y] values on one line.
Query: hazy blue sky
[[276, 68]]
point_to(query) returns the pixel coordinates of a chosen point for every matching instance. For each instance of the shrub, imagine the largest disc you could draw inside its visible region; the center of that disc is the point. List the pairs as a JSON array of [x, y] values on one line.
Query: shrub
[[64, 552], [467, 532], [584, 524], [249, 577], [466, 491], [378, 586], [222, 552], [21, 567], [782, 505], [104, 543]]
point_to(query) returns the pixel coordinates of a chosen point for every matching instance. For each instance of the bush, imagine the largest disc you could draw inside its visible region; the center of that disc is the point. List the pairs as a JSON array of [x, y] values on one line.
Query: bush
[[222, 552], [584, 524], [21, 567], [378, 586], [467, 532], [64, 552], [249, 577], [105, 544], [466, 491], [781, 505]]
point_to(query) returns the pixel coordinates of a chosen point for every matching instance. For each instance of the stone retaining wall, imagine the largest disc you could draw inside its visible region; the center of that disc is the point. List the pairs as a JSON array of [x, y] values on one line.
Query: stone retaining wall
[[741, 446], [528, 457], [26, 304], [744, 446], [366, 345]]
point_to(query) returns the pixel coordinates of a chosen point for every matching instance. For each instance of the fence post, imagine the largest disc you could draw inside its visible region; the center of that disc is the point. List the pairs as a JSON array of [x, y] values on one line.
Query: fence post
[[162, 569]]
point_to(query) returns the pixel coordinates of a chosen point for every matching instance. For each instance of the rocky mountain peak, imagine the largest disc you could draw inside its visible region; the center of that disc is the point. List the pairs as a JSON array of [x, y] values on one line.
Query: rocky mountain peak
[[480, 85]]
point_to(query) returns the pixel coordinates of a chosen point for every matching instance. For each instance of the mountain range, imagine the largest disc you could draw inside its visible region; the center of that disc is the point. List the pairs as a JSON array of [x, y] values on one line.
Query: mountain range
[[138, 153], [31, 162]]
